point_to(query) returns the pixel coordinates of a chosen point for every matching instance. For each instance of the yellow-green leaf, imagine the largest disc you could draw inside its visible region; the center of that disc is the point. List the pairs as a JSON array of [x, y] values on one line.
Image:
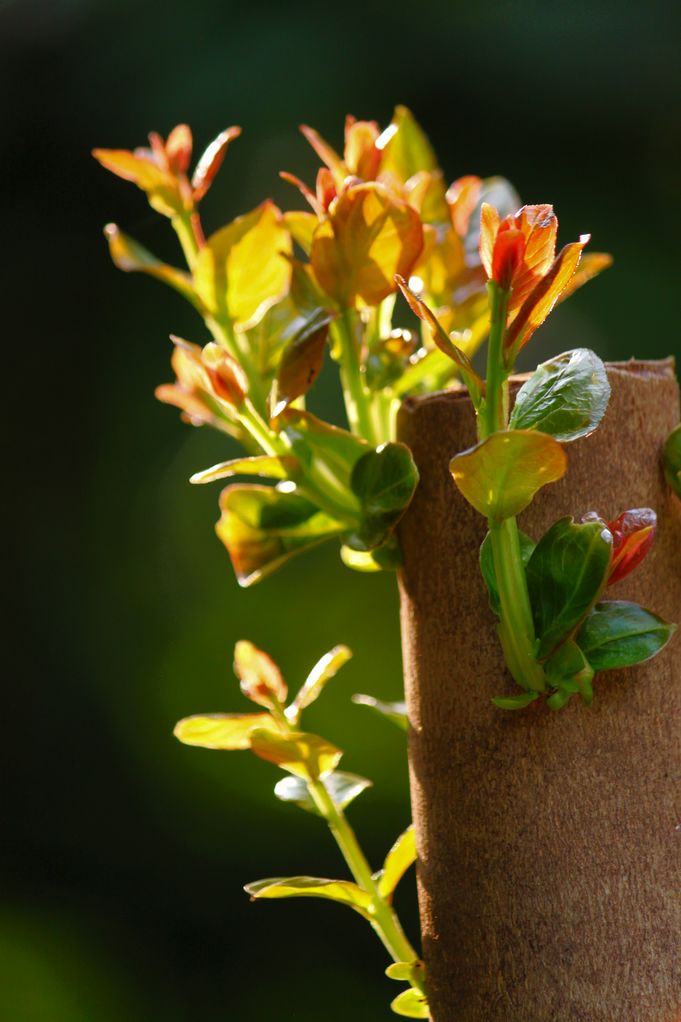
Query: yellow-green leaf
[[242, 269], [222, 730], [501, 475], [342, 891], [323, 671], [411, 1004], [131, 257], [160, 186], [299, 753], [267, 466], [398, 860]]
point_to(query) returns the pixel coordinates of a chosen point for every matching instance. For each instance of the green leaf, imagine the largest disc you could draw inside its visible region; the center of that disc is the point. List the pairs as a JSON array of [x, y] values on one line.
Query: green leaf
[[341, 786], [411, 1004], [301, 362], [384, 481], [565, 397], [489, 574], [672, 460], [305, 755], [265, 465], [619, 634], [395, 712], [131, 257], [387, 557], [569, 670], [401, 856], [312, 440], [517, 702], [501, 475], [342, 891], [325, 669], [565, 576], [222, 730], [263, 526]]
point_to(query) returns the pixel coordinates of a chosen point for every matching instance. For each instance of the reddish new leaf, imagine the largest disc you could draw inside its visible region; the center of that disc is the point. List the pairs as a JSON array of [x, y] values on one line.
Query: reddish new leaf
[[633, 534]]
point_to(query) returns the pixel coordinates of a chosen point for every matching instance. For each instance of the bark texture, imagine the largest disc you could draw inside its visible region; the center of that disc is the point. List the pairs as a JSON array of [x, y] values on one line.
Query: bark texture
[[549, 843]]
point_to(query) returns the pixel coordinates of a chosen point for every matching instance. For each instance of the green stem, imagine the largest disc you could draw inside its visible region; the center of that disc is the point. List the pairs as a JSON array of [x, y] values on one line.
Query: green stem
[[357, 396], [493, 417], [184, 229]]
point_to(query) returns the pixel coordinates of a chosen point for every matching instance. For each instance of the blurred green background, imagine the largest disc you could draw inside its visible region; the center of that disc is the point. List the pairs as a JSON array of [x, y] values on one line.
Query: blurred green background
[[123, 853]]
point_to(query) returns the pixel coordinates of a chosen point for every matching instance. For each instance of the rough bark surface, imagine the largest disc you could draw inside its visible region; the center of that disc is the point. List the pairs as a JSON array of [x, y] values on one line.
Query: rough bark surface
[[549, 843]]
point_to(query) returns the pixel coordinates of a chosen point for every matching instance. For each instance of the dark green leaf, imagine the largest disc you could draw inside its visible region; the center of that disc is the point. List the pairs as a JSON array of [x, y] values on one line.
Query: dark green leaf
[[384, 481], [565, 576], [341, 891], [672, 460], [342, 787], [488, 571], [618, 634], [568, 670], [396, 712], [565, 397]]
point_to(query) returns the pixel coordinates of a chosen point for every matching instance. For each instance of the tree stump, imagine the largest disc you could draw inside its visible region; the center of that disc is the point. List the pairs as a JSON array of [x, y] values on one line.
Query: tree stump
[[549, 843]]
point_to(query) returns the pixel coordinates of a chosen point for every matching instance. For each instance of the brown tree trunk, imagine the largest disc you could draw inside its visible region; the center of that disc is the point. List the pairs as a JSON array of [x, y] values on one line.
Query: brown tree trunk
[[549, 842]]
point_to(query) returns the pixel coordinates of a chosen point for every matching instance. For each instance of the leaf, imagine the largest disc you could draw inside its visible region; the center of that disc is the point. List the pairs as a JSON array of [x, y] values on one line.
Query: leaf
[[565, 397], [401, 856], [322, 672], [131, 257], [305, 755], [384, 481], [633, 533], [565, 576], [301, 226], [341, 786], [312, 439], [259, 676], [369, 236], [501, 475], [569, 670], [400, 970], [301, 363], [387, 557], [222, 730], [242, 269], [265, 465], [405, 146], [262, 527], [411, 1004], [517, 702], [488, 571], [617, 634], [672, 460], [590, 265], [342, 891], [160, 186], [395, 712], [211, 161]]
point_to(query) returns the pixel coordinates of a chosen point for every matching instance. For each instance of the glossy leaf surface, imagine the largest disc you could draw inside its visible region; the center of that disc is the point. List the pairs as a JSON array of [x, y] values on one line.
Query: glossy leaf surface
[[411, 1004], [211, 161], [265, 465], [633, 533], [343, 788], [222, 730], [323, 671], [617, 634], [401, 856], [565, 397], [394, 712], [305, 755], [342, 891], [565, 576], [384, 481], [501, 475]]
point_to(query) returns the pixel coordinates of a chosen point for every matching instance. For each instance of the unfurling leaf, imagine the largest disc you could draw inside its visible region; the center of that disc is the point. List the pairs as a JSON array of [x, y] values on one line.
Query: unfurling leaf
[[222, 730], [262, 527], [395, 712], [565, 397], [488, 570], [259, 677], [368, 237], [267, 466], [519, 263], [633, 533], [411, 1004], [131, 257], [342, 891], [617, 634], [501, 475], [341, 786], [384, 481], [211, 161], [242, 269], [672, 460], [322, 672], [305, 755], [301, 362], [401, 856], [565, 576]]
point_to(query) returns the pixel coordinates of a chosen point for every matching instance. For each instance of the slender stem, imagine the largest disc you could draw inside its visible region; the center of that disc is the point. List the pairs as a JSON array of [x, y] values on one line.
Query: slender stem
[[493, 417], [357, 397]]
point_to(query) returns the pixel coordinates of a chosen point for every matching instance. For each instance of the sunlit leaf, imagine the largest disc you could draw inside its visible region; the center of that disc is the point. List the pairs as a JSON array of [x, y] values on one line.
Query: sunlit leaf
[[211, 161], [361, 154], [565, 576], [265, 465], [262, 527], [411, 1004], [323, 671], [501, 475], [387, 557], [222, 730], [499, 195], [565, 397], [672, 460], [489, 572], [160, 185], [401, 856], [590, 265], [617, 634], [384, 481], [305, 755], [301, 363], [259, 677], [311, 438], [343, 788], [325, 152], [404, 971], [178, 148], [405, 146], [342, 891], [395, 712], [633, 533], [369, 236], [242, 269], [131, 257], [301, 226]]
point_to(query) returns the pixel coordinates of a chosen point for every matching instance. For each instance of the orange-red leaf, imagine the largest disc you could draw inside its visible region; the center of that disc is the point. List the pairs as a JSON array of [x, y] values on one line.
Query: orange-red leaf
[[632, 535], [301, 363], [179, 148], [590, 265], [211, 161]]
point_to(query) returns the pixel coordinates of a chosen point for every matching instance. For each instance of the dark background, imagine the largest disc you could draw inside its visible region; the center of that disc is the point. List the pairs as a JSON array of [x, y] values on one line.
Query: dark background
[[123, 853]]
